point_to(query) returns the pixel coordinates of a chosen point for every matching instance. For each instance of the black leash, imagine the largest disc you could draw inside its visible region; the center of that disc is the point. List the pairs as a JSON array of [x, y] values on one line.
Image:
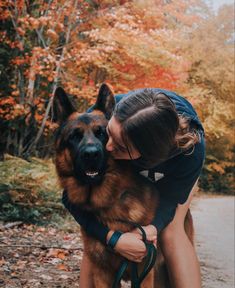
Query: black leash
[[137, 279]]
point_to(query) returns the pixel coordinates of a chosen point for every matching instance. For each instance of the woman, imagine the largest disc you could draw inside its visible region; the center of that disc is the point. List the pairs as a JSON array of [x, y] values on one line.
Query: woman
[[159, 131]]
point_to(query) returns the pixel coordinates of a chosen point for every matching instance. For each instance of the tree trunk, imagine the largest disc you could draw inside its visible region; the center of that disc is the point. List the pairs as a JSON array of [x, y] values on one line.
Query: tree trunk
[[55, 83]]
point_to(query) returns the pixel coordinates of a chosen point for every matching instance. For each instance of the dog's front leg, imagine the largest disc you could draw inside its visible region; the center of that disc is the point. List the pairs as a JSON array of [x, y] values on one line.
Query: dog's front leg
[[149, 280]]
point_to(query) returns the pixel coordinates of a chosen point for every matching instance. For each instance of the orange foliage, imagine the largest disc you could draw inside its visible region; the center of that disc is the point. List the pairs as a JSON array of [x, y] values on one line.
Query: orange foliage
[[131, 44]]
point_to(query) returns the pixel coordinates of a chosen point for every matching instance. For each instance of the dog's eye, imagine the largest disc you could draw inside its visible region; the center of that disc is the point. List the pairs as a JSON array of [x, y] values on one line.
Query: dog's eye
[[76, 135], [99, 132]]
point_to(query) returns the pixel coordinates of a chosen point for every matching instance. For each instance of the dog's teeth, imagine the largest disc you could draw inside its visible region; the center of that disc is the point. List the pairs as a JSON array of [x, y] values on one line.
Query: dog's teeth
[[92, 174]]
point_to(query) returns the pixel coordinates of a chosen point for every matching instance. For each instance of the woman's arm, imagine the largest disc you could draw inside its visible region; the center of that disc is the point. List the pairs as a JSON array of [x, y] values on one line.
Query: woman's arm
[[129, 245], [86, 219]]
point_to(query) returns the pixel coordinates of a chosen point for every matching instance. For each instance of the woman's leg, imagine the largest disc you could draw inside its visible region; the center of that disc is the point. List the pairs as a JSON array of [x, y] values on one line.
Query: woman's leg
[[178, 251], [86, 278]]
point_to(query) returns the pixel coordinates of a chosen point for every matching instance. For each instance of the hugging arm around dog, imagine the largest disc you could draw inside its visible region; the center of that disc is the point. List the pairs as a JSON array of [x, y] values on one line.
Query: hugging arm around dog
[[160, 135], [174, 174]]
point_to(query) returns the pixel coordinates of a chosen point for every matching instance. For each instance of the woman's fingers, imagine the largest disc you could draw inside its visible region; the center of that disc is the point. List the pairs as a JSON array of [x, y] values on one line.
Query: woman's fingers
[[150, 231], [130, 246], [135, 258], [138, 260], [137, 233], [152, 238]]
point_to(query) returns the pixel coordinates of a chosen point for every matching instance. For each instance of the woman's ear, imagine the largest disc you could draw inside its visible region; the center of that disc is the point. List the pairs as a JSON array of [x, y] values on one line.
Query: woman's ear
[[105, 101], [62, 106]]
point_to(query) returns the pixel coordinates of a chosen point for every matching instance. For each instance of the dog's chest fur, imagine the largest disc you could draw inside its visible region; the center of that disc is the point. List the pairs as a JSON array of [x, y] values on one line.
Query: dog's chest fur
[[122, 194]]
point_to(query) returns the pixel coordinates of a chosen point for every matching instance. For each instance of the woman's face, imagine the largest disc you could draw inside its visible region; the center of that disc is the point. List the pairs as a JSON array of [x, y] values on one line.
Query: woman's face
[[115, 144]]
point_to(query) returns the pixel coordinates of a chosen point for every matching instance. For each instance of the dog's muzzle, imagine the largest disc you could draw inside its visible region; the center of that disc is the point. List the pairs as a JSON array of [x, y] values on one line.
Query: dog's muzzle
[[91, 161]]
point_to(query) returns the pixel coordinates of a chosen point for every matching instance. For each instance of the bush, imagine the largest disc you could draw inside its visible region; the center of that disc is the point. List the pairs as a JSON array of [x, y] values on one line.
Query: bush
[[29, 191]]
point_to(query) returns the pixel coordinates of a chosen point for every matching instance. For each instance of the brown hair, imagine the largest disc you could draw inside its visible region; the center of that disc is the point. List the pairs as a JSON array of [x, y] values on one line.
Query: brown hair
[[151, 124]]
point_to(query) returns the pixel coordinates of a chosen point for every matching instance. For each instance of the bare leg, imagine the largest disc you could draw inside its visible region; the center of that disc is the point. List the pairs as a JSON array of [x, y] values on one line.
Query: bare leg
[[86, 275], [179, 253]]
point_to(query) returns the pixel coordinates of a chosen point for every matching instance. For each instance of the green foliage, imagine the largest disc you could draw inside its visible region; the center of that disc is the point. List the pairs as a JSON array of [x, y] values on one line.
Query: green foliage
[[218, 176], [28, 190], [14, 212]]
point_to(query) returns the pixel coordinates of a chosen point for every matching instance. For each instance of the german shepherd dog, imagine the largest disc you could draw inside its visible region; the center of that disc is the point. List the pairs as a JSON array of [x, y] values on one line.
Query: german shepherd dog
[[109, 188]]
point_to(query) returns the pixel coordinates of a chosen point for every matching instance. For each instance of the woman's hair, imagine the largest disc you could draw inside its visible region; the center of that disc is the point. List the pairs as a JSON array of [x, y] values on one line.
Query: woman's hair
[[151, 124]]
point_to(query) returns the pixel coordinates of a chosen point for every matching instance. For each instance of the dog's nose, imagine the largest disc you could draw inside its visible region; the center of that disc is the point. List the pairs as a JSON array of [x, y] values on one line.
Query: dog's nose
[[91, 153]]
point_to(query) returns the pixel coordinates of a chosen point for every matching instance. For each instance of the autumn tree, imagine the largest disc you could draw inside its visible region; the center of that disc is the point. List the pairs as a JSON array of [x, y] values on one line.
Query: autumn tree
[[80, 44], [34, 37], [177, 45], [210, 49]]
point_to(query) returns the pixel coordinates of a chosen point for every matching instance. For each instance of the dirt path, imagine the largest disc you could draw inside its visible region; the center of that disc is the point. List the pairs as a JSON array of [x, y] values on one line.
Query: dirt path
[[214, 224], [32, 256]]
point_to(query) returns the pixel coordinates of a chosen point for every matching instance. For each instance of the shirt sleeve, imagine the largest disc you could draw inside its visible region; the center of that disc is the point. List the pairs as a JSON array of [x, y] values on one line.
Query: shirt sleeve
[[86, 219], [176, 186], [164, 215]]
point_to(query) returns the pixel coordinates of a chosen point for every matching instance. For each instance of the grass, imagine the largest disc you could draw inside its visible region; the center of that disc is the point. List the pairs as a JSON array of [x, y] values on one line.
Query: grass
[[29, 191]]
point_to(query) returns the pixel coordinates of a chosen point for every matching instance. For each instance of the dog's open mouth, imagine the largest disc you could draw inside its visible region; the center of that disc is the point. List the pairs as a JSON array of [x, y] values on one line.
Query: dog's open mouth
[[92, 174]]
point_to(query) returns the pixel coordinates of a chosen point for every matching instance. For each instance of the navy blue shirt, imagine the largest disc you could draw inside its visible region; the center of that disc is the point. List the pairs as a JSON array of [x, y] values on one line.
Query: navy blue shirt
[[174, 178]]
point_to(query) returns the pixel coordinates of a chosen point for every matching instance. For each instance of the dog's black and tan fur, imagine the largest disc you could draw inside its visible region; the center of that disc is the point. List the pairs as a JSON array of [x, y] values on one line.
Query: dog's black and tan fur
[[96, 182]]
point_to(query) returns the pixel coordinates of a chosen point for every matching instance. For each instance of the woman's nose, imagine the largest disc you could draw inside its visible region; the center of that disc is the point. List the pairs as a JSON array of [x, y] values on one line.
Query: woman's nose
[[109, 145]]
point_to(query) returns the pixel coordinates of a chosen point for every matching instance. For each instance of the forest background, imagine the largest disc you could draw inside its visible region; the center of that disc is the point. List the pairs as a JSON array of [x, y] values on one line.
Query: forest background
[[179, 45]]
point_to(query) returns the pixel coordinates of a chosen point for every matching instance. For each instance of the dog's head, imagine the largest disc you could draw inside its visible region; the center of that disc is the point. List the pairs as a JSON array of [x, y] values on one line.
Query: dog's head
[[81, 137]]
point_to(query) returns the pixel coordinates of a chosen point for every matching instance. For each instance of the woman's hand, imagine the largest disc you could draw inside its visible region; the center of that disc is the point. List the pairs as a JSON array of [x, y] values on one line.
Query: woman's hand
[[130, 246], [151, 233]]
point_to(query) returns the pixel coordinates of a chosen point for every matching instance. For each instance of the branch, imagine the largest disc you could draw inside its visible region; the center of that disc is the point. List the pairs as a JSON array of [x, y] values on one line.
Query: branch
[[41, 38], [48, 205], [40, 247], [39, 134], [12, 224]]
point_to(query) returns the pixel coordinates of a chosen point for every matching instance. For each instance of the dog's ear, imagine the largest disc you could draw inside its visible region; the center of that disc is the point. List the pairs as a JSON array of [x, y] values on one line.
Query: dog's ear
[[105, 101], [62, 107]]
